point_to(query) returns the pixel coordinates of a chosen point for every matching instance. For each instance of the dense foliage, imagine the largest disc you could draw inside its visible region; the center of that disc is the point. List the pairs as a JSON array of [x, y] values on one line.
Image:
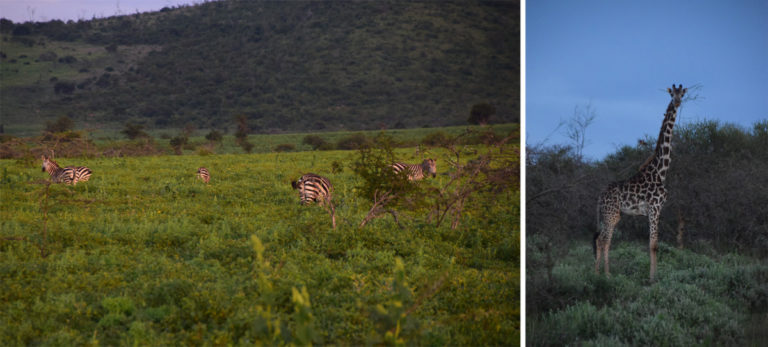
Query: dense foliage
[[306, 65], [713, 278], [144, 253]]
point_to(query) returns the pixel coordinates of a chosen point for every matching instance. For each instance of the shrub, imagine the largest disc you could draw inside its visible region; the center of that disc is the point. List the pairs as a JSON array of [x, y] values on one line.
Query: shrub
[[481, 113], [316, 142], [214, 136], [178, 142], [133, 130], [61, 124], [285, 147], [64, 87], [438, 138], [356, 141]]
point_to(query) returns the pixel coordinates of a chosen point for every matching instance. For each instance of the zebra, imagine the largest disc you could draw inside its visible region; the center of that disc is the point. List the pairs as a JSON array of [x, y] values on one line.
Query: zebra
[[316, 188], [82, 174], [67, 175], [417, 171], [203, 174]]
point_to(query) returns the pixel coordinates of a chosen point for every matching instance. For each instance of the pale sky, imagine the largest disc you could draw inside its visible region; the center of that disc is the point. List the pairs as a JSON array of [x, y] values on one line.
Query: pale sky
[[20, 11]]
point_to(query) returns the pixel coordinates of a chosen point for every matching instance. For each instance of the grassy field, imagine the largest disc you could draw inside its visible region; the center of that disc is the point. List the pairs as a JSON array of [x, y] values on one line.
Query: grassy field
[[698, 299], [144, 253]]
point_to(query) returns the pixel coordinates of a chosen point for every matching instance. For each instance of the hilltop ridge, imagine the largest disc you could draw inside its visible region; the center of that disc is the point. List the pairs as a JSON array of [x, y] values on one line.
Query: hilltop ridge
[[286, 66]]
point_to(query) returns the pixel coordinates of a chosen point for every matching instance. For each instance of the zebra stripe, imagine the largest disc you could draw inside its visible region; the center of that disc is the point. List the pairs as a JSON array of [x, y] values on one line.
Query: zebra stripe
[[203, 174], [67, 175], [316, 188], [82, 174], [417, 171], [58, 174], [313, 188]]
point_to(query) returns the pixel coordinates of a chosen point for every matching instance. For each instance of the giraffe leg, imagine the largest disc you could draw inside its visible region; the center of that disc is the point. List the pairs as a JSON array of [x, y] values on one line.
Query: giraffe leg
[[610, 220], [597, 248], [653, 221]]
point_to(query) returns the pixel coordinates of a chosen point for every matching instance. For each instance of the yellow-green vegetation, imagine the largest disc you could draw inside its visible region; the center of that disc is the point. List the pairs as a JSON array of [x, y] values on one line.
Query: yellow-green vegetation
[[144, 253]]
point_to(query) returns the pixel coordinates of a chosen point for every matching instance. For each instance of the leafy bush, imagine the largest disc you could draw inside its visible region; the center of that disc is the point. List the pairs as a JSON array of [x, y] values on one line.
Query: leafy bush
[[316, 142], [285, 147], [133, 131], [356, 141], [61, 124]]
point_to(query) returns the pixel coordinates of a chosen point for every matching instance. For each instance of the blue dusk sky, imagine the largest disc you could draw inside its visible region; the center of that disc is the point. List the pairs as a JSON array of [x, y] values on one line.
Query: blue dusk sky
[[620, 56]]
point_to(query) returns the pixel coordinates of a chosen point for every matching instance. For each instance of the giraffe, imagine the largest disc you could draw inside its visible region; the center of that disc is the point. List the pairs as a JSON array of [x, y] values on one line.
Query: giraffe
[[642, 194]]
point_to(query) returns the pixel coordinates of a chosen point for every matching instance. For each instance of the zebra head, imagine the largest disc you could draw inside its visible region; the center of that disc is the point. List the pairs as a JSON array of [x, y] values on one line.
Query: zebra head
[[46, 162], [295, 184], [430, 167]]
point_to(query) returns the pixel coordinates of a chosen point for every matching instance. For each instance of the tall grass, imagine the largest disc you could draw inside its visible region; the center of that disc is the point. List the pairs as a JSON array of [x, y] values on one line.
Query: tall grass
[[145, 253]]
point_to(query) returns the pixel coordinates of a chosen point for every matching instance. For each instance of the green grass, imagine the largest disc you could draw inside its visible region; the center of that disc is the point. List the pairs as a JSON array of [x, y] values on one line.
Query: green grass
[[697, 300], [144, 253]]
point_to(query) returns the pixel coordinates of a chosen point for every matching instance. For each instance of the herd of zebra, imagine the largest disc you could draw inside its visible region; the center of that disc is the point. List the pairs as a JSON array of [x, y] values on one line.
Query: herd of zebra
[[312, 188]]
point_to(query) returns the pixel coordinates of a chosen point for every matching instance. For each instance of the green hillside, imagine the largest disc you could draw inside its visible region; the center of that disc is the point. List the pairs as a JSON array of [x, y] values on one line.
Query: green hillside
[[286, 66]]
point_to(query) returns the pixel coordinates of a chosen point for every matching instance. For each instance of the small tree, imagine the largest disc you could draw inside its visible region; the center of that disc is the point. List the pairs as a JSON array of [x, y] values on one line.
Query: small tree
[[481, 113], [178, 142], [241, 135], [61, 125], [386, 189], [214, 136], [134, 130]]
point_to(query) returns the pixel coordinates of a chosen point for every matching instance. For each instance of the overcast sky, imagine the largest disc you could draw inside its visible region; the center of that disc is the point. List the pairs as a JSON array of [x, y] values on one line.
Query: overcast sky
[[46, 10], [620, 56]]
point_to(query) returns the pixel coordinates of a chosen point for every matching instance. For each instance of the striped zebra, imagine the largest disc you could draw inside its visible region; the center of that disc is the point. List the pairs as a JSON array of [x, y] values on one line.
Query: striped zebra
[[417, 171], [67, 175], [203, 174], [316, 188]]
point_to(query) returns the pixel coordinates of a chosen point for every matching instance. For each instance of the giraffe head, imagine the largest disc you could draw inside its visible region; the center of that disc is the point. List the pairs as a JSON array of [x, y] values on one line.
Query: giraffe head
[[677, 93]]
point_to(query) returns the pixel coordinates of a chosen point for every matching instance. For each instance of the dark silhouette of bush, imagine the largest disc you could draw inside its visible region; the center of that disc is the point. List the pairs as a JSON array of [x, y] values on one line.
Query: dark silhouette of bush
[[481, 113], [178, 143], [214, 136], [438, 138], [64, 87], [61, 124], [285, 147], [134, 130], [317, 142], [356, 141]]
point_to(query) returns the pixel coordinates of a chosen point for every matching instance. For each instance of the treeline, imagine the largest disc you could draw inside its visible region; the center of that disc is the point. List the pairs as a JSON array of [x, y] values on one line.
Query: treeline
[[714, 242], [60, 136], [718, 197], [294, 65]]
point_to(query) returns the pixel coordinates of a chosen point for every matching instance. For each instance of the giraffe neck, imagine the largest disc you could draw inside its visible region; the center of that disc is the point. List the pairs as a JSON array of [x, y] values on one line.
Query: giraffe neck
[[662, 155]]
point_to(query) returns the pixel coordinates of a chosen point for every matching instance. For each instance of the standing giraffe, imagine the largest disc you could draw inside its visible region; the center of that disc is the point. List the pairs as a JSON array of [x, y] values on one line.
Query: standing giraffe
[[643, 194]]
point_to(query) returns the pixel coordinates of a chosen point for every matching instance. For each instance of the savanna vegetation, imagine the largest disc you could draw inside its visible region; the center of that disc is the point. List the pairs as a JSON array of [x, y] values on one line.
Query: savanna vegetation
[[712, 286], [144, 253], [282, 65]]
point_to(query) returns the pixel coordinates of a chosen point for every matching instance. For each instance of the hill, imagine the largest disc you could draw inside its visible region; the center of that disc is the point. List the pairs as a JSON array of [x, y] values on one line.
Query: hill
[[286, 66]]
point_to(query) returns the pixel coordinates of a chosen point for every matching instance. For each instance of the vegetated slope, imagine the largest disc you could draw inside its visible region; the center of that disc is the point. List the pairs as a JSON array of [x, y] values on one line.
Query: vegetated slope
[[299, 65], [145, 254]]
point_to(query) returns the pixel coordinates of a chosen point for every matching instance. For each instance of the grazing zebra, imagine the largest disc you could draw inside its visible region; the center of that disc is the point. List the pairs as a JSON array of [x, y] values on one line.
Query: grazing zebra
[[417, 171], [203, 174], [316, 188], [67, 175]]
